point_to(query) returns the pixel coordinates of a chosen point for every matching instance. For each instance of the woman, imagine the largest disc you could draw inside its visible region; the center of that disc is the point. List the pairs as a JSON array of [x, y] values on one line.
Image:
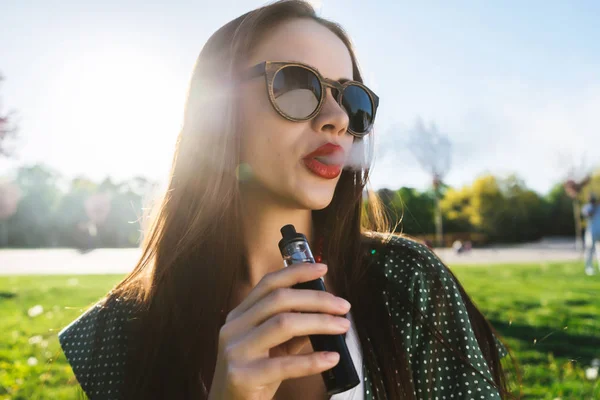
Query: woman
[[273, 134]]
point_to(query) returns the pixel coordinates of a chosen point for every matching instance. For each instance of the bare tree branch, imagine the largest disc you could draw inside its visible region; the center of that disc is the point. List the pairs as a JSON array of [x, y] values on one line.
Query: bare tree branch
[[431, 149], [8, 129]]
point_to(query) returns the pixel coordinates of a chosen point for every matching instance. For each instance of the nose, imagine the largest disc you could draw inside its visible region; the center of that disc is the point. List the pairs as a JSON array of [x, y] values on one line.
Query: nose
[[332, 118]]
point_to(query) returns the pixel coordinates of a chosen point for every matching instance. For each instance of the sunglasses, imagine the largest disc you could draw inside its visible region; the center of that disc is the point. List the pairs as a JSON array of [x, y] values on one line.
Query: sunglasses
[[297, 92]]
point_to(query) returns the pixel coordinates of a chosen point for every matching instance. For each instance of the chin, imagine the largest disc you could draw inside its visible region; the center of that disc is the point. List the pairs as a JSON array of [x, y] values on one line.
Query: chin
[[316, 198]]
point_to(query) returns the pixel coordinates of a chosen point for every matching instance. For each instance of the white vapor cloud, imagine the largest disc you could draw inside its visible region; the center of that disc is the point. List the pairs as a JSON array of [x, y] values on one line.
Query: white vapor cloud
[[510, 127]]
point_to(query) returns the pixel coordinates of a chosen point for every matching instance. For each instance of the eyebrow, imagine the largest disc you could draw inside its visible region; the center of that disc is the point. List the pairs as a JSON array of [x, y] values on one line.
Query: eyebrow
[[341, 80]]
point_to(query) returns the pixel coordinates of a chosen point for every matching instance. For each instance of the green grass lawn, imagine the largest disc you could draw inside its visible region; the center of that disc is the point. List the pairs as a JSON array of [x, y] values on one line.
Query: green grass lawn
[[549, 315]]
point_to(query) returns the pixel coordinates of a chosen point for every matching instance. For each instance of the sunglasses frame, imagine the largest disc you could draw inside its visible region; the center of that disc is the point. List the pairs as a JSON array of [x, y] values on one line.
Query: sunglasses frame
[[270, 69]]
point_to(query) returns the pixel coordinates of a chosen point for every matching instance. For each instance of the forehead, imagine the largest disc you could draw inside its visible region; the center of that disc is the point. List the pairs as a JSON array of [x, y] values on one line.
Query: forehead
[[308, 42]]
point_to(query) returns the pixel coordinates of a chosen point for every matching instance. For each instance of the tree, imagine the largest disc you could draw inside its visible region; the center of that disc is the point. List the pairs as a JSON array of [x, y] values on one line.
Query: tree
[[39, 209], [409, 210], [70, 215], [7, 129], [123, 224], [10, 194], [485, 206], [503, 209], [418, 211], [433, 152], [457, 210], [33, 224], [525, 212], [560, 212]]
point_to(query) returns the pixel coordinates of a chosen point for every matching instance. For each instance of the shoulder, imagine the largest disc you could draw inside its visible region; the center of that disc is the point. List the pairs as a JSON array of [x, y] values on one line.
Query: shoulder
[[394, 247], [96, 343], [413, 275], [418, 282], [403, 260], [429, 311]]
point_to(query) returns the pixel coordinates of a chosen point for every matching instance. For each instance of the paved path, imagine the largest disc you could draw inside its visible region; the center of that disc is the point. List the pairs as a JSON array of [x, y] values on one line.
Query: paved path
[[121, 261], [67, 261], [509, 255]]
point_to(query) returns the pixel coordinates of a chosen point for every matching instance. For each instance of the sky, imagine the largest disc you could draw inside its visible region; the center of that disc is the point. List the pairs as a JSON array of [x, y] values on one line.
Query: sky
[[99, 86]]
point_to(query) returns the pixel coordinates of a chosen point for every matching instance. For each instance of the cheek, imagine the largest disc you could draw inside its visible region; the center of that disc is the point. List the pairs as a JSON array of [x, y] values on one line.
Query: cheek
[[265, 134], [254, 122], [262, 144]]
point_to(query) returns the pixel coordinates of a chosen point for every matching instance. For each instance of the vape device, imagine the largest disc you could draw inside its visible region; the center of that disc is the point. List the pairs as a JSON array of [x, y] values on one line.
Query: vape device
[[294, 249]]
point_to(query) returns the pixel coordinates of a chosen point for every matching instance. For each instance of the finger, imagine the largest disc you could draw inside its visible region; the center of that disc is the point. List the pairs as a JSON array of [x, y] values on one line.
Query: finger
[[285, 326], [270, 370], [291, 347], [295, 344], [285, 300], [285, 277]]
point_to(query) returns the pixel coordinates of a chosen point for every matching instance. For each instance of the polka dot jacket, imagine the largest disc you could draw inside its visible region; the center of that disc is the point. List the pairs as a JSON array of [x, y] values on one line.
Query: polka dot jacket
[[421, 296]]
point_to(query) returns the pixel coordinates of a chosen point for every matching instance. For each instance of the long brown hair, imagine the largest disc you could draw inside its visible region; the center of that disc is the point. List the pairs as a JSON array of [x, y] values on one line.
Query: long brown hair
[[193, 251]]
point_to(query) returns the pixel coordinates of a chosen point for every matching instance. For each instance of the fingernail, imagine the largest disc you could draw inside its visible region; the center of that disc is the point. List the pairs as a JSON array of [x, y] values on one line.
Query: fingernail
[[343, 304], [343, 323]]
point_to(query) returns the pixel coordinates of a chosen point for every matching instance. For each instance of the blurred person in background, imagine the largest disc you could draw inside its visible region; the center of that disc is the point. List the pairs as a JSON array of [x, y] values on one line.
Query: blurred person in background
[[275, 107], [591, 211], [457, 246]]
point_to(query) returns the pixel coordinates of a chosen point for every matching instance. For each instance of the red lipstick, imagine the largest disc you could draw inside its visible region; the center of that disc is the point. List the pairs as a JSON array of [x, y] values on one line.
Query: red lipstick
[[326, 161]]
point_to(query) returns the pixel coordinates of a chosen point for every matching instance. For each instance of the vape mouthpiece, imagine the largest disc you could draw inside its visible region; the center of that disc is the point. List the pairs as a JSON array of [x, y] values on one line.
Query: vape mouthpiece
[[289, 236], [288, 231]]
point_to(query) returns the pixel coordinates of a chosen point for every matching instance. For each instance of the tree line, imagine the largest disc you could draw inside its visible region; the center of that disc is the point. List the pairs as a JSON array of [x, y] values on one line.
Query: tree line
[[40, 208], [490, 210]]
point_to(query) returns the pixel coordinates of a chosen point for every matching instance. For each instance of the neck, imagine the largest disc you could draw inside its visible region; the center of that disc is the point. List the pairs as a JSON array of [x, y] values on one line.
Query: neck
[[263, 215]]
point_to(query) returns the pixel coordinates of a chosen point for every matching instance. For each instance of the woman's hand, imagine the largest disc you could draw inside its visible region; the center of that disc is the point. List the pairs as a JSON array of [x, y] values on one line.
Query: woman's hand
[[261, 338]]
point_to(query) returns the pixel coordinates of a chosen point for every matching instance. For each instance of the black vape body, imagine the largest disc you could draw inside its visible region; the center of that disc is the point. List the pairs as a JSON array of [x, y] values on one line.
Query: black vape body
[[294, 249]]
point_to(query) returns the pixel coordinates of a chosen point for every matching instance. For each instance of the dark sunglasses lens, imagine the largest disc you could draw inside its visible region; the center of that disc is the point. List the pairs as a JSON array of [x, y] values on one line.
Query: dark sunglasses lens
[[297, 91], [359, 107]]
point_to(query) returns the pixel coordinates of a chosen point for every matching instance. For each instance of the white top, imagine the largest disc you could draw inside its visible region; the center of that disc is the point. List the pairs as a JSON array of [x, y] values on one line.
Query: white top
[[353, 343]]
